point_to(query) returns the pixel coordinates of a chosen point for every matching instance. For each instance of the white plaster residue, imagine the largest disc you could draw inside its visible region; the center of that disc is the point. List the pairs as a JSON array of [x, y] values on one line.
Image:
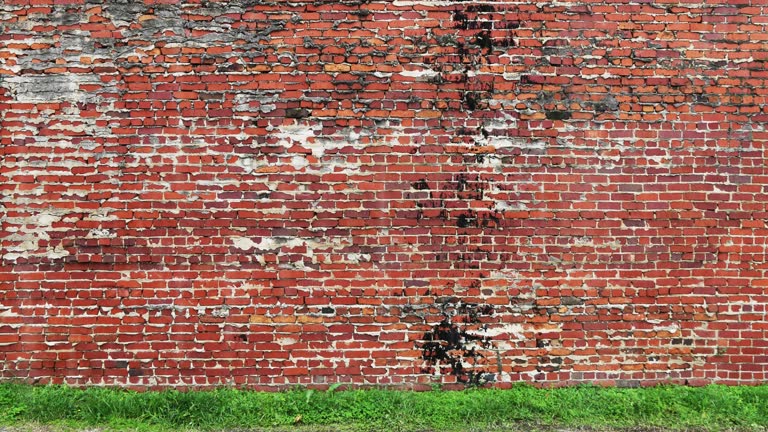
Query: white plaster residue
[[298, 133], [266, 243], [69, 127], [220, 312], [299, 162], [671, 328], [286, 341], [511, 275], [46, 219], [26, 234], [423, 73], [741, 60], [507, 123], [101, 214], [504, 142], [659, 160], [347, 137], [338, 165], [327, 243], [45, 88], [250, 164], [57, 252], [493, 161], [357, 258], [515, 330], [501, 205], [243, 243], [498, 196], [607, 156], [589, 241], [427, 2], [582, 241], [101, 233], [265, 101]]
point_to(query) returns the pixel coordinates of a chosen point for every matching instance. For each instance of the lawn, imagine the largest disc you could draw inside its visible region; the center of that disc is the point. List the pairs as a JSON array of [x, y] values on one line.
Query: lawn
[[25, 407]]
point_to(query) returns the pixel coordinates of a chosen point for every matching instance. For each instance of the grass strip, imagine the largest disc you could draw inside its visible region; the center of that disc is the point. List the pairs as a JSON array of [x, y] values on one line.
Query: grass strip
[[668, 407]]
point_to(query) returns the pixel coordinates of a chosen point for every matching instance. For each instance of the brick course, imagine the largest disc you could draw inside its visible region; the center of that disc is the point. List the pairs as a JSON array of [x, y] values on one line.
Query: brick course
[[273, 193]]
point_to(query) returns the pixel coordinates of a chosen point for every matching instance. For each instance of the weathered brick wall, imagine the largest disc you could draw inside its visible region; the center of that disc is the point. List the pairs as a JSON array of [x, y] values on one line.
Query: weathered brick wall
[[271, 193]]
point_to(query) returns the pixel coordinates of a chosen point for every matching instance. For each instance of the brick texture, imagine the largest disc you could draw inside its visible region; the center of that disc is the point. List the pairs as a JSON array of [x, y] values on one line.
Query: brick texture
[[273, 193]]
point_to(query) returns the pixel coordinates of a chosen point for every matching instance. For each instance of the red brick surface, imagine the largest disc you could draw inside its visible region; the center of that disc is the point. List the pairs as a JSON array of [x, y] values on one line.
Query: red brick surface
[[271, 193]]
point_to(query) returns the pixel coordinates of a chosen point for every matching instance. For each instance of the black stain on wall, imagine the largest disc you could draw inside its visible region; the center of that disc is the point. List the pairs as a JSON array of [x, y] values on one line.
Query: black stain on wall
[[450, 349]]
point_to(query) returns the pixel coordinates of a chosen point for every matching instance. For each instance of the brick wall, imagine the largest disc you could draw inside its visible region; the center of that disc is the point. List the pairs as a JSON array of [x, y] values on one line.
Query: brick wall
[[272, 193]]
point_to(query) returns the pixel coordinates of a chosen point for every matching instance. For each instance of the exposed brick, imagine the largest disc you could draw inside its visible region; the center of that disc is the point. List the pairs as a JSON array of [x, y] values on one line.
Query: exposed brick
[[283, 193]]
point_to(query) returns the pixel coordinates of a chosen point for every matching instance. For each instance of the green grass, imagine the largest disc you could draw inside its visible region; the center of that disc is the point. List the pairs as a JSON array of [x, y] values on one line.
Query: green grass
[[668, 407]]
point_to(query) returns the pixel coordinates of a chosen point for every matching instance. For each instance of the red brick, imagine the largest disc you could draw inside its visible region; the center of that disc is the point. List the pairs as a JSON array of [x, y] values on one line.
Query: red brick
[[315, 210]]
